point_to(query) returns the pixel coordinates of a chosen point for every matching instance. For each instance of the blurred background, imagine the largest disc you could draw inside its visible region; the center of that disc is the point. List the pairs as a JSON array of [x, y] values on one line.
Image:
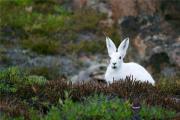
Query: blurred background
[[55, 38]]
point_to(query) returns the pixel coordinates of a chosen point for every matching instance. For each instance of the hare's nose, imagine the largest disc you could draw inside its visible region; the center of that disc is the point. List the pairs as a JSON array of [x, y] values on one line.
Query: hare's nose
[[114, 63]]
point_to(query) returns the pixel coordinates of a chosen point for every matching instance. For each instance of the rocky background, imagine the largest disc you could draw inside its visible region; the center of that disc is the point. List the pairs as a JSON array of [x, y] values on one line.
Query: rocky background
[[56, 38]]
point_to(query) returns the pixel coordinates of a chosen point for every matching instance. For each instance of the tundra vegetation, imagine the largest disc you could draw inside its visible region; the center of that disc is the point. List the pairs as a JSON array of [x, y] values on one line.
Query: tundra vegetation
[[36, 94], [26, 96]]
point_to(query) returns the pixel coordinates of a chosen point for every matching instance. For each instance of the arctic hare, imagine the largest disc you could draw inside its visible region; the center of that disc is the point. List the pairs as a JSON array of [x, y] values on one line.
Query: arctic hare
[[117, 69]]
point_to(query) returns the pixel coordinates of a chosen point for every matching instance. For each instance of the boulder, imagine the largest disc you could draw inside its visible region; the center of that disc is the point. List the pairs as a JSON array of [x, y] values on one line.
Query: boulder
[[152, 44], [93, 73]]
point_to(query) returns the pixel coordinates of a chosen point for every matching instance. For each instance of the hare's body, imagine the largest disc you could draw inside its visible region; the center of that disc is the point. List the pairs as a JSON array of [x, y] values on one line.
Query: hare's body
[[128, 69], [118, 70]]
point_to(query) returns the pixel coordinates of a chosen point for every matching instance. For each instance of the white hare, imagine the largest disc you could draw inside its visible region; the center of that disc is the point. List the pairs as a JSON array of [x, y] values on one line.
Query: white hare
[[117, 69]]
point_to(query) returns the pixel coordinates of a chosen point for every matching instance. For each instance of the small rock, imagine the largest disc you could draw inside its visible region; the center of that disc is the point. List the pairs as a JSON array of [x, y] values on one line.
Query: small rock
[[95, 72], [168, 72]]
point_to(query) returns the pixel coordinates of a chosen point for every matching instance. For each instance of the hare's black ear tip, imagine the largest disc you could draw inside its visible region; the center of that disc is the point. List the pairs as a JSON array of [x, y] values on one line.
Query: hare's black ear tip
[[104, 34], [107, 38], [127, 39]]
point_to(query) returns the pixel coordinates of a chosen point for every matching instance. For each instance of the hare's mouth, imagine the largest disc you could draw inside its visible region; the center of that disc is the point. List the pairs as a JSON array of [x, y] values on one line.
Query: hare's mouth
[[114, 67]]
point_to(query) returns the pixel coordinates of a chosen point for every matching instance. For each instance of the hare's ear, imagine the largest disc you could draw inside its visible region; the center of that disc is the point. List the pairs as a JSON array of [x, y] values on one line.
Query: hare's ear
[[123, 46], [110, 46]]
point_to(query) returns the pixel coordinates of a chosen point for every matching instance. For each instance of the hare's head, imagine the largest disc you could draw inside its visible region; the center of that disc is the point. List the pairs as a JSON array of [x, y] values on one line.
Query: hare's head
[[116, 54]]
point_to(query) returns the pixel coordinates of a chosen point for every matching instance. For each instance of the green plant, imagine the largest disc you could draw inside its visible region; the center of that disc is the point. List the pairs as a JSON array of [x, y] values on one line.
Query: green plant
[[95, 107], [42, 45], [47, 25], [29, 20], [168, 85], [85, 20], [34, 79], [13, 78], [48, 72], [155, 112], [99, 107], [86, 46], [113, 33], [83, 100], [7, 79]]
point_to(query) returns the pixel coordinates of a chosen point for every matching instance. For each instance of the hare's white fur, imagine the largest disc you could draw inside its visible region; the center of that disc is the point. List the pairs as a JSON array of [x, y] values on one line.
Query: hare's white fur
[[117, 69]]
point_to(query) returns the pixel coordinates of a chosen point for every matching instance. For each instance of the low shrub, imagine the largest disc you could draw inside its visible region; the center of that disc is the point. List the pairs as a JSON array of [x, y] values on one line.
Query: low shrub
[[99, 107], [13, 78], [38, 93], [86, 46], [42, 26], [48, 72], [42, 45], [169, 85]]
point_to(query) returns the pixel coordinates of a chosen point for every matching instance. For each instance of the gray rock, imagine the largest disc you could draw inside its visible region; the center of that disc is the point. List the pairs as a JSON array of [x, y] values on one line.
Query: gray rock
[[28, 59], [86, 36], [94, 72], [151, 44], [168, 72]]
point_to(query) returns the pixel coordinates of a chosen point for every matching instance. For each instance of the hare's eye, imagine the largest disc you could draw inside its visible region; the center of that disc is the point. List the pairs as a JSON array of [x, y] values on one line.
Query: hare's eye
[[120, 57]]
